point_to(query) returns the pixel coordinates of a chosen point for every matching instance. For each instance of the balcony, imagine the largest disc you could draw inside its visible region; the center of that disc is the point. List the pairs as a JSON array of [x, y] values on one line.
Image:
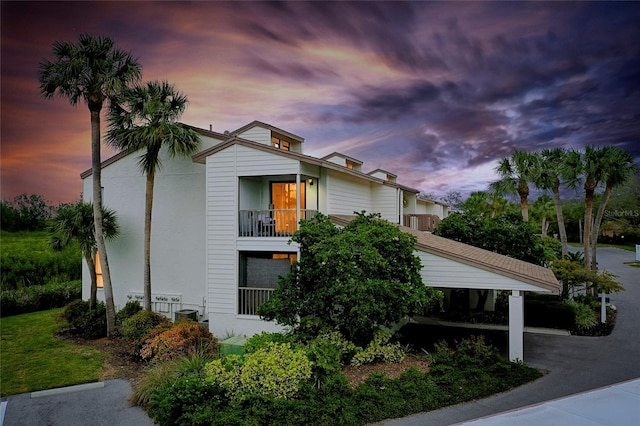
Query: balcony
[[270, 223], [421, 222], [249, 298]]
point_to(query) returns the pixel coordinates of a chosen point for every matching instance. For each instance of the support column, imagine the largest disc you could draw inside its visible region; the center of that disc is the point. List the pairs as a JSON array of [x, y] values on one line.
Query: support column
[[516, 326], [298, 196]]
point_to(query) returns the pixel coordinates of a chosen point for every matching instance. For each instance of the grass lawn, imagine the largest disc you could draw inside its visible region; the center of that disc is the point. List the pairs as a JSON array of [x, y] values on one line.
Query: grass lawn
[[634, 264], [628, 247], [32, 358]]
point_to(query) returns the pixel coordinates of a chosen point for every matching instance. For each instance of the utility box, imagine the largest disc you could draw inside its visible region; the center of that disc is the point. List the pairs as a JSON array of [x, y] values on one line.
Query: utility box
[[184, 314], [233, 345]]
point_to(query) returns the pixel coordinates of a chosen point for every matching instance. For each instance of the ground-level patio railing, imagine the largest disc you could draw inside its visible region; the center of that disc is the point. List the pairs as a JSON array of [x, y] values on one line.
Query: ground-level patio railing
[[270, 223], [249, 298]]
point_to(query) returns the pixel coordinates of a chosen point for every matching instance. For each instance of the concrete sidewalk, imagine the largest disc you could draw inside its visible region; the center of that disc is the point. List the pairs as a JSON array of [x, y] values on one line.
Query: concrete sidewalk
[[616, 405]]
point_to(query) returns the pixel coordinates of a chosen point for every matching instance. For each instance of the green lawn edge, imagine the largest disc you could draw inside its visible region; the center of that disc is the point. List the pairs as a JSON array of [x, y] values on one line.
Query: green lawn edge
[[32, 358]]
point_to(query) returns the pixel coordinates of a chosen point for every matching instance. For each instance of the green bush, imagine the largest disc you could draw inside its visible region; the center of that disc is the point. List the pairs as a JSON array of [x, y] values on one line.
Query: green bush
[[131, 308], [274, 371], [184, 338], [85, 322], [27, 259], [190, 399], [585, 318], [39, 298], [136, 328], [379, 350], [258, 341]]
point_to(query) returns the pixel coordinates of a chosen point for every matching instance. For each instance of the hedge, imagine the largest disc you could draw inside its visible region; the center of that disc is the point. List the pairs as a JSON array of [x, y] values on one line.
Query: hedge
[[39, 298]]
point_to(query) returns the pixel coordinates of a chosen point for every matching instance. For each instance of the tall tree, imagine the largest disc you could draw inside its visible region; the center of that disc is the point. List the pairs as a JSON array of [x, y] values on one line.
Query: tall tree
[[145, 119], [94, 70], [593, 168], [544, 209], [619, 168], [74, 222], [515, 174], [554, 166]]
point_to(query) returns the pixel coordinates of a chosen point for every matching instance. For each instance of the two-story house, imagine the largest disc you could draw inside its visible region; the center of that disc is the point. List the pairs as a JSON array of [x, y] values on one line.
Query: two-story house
[[222, 223]]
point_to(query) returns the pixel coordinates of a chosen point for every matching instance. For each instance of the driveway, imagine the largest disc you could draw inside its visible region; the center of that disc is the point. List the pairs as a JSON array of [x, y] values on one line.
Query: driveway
[[572, 364]]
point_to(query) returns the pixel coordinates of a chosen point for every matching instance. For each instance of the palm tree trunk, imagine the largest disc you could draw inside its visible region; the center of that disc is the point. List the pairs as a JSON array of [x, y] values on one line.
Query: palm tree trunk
[[596, 224], [97, 220], [543, 227], [524, 206], [588, 220], [560, 216], [147, 241], [91, 264]]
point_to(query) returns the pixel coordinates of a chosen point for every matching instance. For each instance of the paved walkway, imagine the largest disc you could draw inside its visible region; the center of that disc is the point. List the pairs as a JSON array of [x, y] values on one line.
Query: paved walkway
[[573, 364]]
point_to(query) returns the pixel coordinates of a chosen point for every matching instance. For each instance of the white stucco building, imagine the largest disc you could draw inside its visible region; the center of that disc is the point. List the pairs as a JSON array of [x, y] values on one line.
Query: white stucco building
[[222, 222]]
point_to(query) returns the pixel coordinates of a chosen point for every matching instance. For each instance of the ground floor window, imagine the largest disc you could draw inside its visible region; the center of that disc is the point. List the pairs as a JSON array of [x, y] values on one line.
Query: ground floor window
[[258, 277]]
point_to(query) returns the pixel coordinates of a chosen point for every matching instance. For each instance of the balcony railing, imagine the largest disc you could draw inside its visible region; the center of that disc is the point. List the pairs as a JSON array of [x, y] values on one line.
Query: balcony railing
[[270, 223], [421, 222], [249, 298]]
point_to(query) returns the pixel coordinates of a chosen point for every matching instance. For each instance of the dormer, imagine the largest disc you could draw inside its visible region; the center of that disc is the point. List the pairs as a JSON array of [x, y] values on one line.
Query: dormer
[[384, 175], [267, 134], [344, 161]]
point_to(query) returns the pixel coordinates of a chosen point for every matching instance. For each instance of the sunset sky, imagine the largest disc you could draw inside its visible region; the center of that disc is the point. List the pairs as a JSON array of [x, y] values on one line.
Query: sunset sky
[[433, 92]]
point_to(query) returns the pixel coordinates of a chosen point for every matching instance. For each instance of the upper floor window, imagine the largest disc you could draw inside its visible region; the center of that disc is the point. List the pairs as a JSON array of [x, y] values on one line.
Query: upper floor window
[[350, 164], [280, 144]]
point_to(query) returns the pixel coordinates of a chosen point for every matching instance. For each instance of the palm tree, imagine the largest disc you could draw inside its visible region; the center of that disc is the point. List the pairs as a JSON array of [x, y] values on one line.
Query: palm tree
[[94, 71], [74, 222], [145, 119], [593, 168], [556, 165], [544, 209], [515, 174], [618, 169]]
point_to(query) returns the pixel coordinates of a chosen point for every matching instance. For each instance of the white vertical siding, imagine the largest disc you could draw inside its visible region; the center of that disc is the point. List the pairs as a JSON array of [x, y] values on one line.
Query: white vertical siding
[[222, 207], [253, 162], [257, 134], [385, 201], [346, 194]]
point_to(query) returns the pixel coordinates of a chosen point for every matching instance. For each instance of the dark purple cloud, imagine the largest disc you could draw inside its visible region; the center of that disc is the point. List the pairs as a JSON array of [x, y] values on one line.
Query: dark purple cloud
[[434, 92]]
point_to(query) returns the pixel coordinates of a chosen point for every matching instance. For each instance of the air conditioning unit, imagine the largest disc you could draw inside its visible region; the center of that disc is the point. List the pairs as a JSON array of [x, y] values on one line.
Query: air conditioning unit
[[184, 314]]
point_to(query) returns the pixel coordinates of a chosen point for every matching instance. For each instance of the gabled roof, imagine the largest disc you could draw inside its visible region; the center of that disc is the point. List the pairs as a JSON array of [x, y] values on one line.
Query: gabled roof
[[122, 154], [476, 257], [346, 157], [382, 171], [235, 140], [257, 123]]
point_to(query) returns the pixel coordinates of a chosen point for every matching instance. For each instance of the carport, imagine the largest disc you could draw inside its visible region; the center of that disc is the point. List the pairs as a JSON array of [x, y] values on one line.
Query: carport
[[451, 264]]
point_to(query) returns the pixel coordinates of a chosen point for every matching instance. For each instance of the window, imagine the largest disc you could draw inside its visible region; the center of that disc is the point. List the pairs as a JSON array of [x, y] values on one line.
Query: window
[[99, 281], [349, 164], [280, 144]]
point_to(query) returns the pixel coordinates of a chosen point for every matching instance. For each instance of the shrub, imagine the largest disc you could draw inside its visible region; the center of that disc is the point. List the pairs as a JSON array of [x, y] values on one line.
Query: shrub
[[85, 322], [39, 298], [28, 260], [274, 371], [585, 318], [136, 328], [131, 308], [258, 341], [185, 338], [379, 350], [189, 399]]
